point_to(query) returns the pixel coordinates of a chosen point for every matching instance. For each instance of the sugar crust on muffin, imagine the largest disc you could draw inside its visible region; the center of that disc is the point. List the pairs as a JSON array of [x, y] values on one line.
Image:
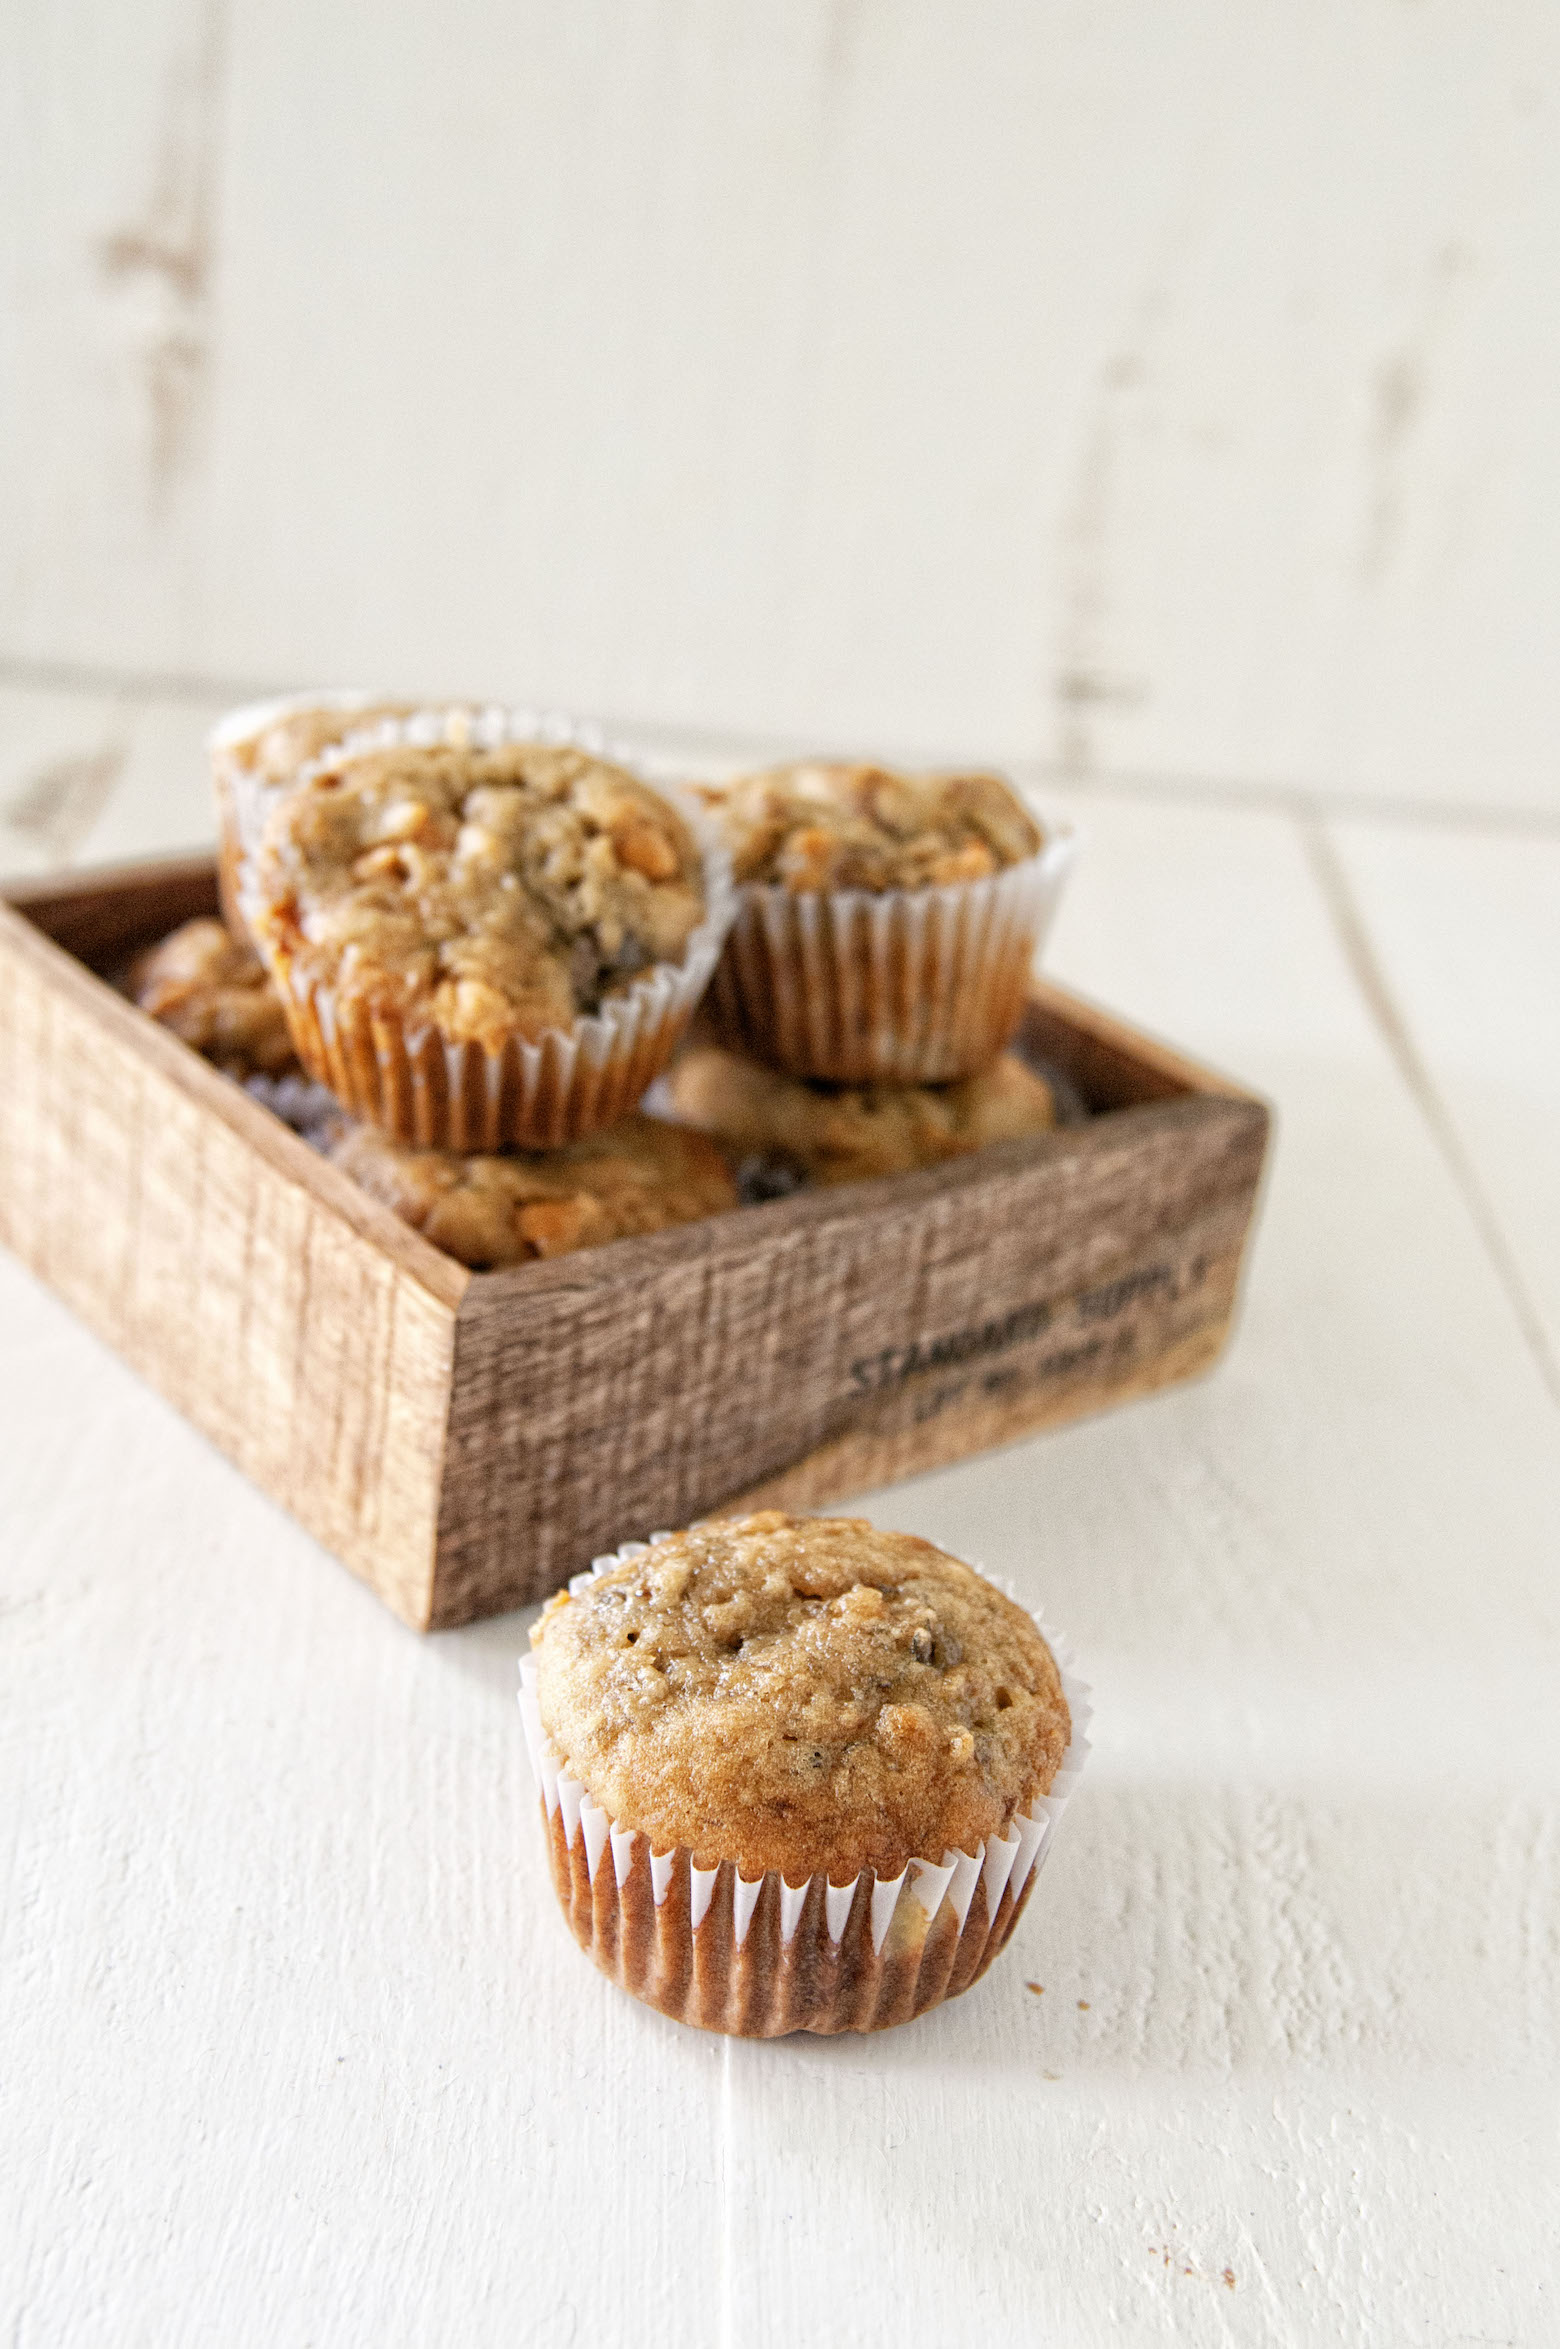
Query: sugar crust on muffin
[[801, 1694], [639, 1177], [493, 892], [213, 991], [850, 1133], [816, 825]]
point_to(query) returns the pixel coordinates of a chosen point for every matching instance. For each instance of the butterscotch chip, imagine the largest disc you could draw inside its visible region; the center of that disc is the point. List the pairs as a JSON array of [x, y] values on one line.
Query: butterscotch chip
[[847, 1134], [801, 1694], [214, 993], [488, 893], [815, 826], [640, 1176]]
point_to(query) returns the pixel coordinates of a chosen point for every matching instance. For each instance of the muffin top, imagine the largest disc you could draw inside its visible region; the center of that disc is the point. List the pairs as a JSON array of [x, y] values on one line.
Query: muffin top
[[214, 993], [640, 1176], [801, 1693], [283, 736], [848, 1133], [493, 892], [815, 826]]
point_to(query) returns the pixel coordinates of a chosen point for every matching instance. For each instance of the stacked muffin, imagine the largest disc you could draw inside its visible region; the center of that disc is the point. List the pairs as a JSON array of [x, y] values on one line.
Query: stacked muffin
[[875, 974], [458, 946]]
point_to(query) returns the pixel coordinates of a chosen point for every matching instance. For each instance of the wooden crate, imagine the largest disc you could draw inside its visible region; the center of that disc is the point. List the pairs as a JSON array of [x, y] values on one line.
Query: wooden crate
[[464, 1441]]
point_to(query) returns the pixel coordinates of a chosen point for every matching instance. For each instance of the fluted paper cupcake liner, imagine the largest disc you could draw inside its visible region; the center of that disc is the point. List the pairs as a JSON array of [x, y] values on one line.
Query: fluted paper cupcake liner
[[242, 796], [758, 1957], [419, 1086], [900, 986]]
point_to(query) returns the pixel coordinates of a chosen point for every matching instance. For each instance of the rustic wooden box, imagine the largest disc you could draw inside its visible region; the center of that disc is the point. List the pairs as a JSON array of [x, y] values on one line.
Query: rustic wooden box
[[464, 1441]]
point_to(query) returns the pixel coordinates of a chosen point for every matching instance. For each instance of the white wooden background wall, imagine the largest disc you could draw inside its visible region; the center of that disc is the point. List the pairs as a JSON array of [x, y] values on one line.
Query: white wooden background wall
[[1170, 390], [1167, 396]]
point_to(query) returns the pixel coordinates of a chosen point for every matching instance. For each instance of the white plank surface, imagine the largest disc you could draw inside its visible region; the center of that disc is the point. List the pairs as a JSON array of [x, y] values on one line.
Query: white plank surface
[[110, 131], [97, 778], [293, 2047], [285, 2058], [1466, 929], [1171, 391], [1311, 1901]]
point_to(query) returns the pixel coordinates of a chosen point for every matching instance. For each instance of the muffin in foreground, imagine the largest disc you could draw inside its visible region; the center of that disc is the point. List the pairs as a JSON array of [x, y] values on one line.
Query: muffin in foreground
[[797, 1773], [849, 1134], [483, 939], [211, 989], [887, 922], [638, 1177]]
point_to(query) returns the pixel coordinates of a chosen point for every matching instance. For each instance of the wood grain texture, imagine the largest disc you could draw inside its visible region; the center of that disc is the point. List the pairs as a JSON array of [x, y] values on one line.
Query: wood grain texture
[[466, 1441], [229, 1265], [821, 1345]]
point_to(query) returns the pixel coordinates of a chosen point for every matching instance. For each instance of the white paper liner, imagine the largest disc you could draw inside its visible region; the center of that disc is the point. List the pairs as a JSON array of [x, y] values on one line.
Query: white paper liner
[[244, 797], [898, 986], [758, 1957], [419, 1086]]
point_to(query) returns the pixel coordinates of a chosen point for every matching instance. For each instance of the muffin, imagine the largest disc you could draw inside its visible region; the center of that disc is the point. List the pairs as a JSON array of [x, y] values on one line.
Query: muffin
[[824, 1761], [641, 1176], [813, 827], [887, 923], [484, 940], [834, 1134], [214, 993], [256, 751]]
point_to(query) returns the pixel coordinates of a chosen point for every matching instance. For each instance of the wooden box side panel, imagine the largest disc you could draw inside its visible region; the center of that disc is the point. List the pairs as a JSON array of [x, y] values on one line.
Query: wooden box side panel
[[100, 917], [299, 1347], [1114, 1066], [832, 1344]]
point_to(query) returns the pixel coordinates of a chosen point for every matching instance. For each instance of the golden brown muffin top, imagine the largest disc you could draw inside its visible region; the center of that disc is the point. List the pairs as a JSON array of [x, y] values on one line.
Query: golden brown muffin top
[[818, 826], [213, 992], [848, 1133], [801, 1693], [493, 892], [640, 1176], [286, 735]]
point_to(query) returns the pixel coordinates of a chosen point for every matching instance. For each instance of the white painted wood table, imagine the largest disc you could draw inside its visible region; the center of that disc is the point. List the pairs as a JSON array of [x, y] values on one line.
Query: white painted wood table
[[295, 2048]]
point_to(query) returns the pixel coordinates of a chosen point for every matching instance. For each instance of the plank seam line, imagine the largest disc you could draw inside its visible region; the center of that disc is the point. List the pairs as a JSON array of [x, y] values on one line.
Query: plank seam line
[[1369, 976], [727, 2334], [1189, 791]]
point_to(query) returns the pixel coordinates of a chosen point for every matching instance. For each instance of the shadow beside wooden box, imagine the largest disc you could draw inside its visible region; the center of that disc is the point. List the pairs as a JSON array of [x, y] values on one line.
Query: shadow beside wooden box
[[465, 1441]]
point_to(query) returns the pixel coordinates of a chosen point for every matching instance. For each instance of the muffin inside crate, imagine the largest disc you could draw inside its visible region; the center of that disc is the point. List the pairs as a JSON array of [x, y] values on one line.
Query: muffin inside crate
[[466, 1440]]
